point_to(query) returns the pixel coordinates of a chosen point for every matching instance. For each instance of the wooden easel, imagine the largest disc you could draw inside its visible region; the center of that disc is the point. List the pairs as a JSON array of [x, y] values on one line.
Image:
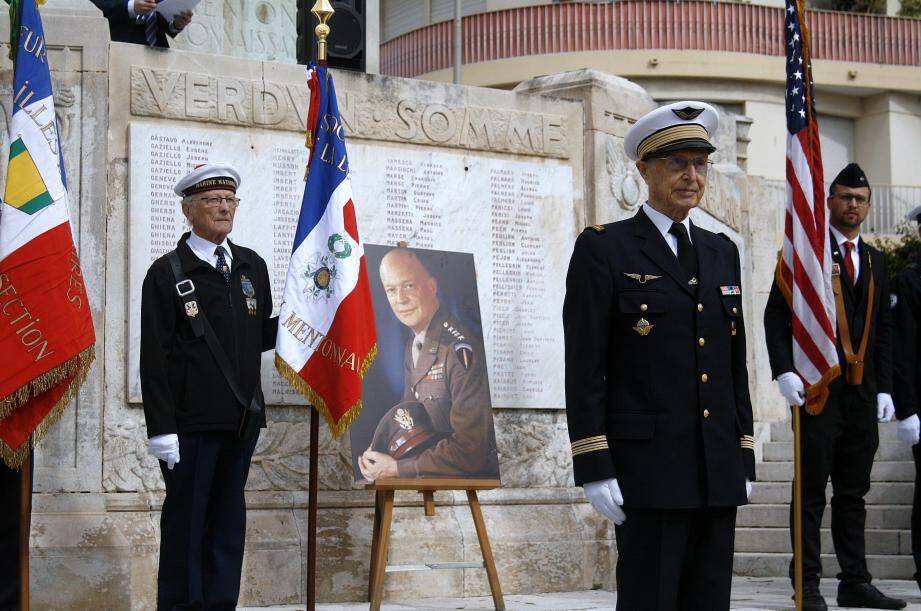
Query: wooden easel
[[383, 512]]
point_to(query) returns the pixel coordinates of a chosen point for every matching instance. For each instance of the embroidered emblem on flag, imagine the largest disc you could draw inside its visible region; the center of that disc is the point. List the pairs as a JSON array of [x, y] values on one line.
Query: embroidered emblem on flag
[[25, 189]]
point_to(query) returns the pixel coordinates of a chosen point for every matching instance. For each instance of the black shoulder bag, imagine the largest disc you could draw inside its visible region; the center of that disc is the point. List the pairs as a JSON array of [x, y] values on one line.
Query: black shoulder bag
[[249, 422]]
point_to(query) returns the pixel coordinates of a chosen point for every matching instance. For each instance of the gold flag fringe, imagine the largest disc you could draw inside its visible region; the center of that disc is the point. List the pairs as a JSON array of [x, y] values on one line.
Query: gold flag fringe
[[349, 417], [42, 383], [79, 368]]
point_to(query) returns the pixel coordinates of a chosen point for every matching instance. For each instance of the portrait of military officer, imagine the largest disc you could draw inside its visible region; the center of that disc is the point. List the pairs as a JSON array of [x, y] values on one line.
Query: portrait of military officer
[[442, 423], [657, 399], [206, 318]]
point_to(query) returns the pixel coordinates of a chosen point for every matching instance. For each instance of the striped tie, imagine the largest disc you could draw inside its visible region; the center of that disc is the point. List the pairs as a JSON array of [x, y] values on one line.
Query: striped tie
[[222, 263], [151, 27]]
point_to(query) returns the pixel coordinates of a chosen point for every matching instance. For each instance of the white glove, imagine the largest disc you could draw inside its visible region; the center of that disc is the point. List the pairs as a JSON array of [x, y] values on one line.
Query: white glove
[[885, 408], [791, 387], [748, 489], [606, 498], [909, 429], [165, 448]]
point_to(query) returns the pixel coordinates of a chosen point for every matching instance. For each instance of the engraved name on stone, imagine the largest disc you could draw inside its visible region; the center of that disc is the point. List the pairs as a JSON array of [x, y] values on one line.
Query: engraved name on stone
[[227, 100]]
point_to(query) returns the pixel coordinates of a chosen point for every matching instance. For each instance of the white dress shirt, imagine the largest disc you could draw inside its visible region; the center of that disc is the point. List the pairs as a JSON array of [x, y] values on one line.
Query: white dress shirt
[[664, 224], [855, 257], [204, 249]]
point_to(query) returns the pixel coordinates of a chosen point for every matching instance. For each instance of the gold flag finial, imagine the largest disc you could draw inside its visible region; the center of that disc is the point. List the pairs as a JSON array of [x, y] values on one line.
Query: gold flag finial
[[323, 11]]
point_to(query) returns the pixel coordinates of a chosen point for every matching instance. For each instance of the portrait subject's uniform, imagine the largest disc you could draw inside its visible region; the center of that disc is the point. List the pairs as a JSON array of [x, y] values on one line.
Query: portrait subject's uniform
[[449, 379]]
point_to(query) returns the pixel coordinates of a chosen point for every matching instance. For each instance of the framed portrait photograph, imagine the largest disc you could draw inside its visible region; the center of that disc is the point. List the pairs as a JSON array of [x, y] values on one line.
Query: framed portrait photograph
[[426, 404]]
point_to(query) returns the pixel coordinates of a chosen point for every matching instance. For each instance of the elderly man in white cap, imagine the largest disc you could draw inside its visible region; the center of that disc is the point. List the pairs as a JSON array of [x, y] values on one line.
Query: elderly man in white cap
[[660, 418], [205, 321]]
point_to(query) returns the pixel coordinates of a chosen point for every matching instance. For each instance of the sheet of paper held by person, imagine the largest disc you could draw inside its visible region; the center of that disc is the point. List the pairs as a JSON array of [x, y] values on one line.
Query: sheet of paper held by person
[[170, 8]]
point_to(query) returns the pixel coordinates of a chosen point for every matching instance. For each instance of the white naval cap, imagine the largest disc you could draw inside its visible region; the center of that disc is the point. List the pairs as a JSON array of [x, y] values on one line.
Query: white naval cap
[[207, 176], [673, 127], [914, 213]]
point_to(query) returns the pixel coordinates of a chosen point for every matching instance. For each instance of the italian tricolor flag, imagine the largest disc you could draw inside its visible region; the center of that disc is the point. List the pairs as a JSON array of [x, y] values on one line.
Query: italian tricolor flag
[[46, 327]]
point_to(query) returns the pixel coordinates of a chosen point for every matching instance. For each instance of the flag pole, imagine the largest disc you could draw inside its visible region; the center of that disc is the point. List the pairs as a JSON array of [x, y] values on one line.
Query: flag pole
[[323, 11], [25, 528], [797, 512]]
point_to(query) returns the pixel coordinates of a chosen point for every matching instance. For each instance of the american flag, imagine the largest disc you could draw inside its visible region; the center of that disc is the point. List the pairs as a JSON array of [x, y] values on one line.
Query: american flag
[[804, 270]]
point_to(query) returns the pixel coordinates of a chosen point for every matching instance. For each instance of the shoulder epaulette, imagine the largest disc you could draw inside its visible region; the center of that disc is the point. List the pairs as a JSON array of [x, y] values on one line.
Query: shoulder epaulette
[[596, 228]]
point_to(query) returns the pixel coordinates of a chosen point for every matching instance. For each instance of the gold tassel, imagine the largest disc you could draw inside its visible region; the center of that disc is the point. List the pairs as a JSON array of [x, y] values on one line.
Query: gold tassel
[[337, 428], [79, 368]]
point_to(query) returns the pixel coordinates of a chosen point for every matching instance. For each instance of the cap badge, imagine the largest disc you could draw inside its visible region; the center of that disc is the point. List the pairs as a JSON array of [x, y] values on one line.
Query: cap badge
[[403, 418], [687, 113]]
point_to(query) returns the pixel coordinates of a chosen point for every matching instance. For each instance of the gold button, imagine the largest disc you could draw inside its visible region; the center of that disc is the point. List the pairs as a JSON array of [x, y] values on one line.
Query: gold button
[[700, 307], [643, 307], [704, 378], [701, 341], [706, 413], [735, 310]]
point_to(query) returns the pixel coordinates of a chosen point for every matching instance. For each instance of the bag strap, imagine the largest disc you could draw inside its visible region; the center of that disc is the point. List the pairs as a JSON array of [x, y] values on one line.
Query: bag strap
[[843, 329], [185, 288]]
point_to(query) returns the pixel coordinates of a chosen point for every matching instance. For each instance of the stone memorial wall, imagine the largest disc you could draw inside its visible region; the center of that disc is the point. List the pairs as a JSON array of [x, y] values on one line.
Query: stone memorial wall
[[510, 177], [507, 213]]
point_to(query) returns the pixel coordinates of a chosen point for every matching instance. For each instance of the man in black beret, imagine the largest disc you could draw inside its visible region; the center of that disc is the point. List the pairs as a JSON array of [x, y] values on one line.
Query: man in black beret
[[841, 441], [906, 373]]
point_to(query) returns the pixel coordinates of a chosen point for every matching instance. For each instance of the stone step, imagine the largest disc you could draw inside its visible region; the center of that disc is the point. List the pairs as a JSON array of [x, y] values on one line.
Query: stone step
[[778, 515], [777, 540], [781, 451], [783, 431], [881, 493], [759, 564], [883, 471]]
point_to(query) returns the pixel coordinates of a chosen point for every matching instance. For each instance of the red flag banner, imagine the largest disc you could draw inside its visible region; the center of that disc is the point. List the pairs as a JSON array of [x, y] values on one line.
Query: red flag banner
[[46, 327]]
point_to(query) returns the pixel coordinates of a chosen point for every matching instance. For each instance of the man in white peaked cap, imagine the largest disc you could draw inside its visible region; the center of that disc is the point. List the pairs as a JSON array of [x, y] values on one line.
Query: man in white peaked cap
[[660, 419]]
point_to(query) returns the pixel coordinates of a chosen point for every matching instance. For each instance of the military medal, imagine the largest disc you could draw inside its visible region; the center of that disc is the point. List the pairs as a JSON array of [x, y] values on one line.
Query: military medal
[[250, 293], [730, 290], [643, 327]]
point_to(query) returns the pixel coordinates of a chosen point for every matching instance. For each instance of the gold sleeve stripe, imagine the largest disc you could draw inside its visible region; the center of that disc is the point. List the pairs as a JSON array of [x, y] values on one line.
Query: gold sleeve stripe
[[747, 445], [748, 437], [595, 439], [598, 447]]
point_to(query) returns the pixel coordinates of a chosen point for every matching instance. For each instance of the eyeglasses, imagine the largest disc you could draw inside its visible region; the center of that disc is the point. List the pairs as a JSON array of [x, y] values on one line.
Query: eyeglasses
[[677, 163], [847, 198], [214, 202]]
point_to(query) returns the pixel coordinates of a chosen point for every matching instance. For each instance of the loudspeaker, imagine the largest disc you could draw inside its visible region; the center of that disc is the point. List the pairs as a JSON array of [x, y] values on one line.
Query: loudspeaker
[[346, 42]]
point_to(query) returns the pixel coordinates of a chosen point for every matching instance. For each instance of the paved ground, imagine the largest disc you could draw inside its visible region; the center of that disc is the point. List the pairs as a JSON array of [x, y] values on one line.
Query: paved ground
[[748, 594]]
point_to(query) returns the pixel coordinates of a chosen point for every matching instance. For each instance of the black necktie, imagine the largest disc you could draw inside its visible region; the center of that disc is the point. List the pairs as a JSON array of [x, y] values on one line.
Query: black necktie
[[686, 255], [222, 263]]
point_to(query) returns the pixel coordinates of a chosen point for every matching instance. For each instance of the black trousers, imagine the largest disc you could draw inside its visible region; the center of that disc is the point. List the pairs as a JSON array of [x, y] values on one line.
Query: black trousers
[[675, 559], [203, 524], [916, 513], [10, 499], [839, 443]]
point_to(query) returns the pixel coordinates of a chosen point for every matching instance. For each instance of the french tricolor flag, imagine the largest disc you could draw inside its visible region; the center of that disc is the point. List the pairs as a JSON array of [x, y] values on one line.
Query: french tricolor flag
[[326, 336]]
